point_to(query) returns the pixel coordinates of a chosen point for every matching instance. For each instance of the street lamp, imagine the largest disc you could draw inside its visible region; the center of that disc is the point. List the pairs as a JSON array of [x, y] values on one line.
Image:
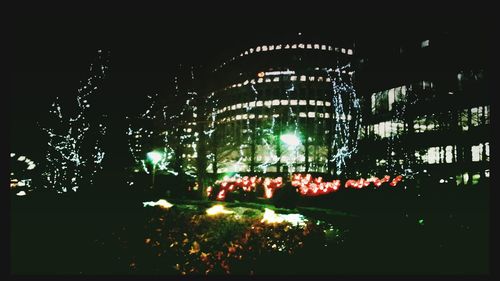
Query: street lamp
[[154, 157], [290, 139]]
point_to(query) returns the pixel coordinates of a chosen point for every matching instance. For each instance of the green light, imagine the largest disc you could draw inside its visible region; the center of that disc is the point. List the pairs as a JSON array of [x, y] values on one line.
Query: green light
[[155, 157], [290, 139]]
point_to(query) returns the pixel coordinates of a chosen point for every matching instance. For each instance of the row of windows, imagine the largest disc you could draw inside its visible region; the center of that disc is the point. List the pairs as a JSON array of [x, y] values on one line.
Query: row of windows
[[474, 116], [266, 48], [386, 129], [478, 116], [302, 78], [265, 116], [270, 103], [438, 154], [383, 101]]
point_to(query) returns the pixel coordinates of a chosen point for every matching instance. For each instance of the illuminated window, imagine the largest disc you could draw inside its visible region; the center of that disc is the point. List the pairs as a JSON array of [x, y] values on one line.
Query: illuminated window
[[327, 115], [276, 115], [284, 102], [309, 46], [268, 80], [487, 114], [276, 79], [238, 117], [349, 52], [251, 104], [246, 52], [343, 51], [276, 102], [449, 154], [264, 48], [302, 102], [311, 114], [311, 78], [271, 47], [251, 116], [259, 103], [330, 48], [258, 49], [477, 152], [251, 50], [302, 78], [391, 98], [293, 102], [319, 103], [301, 46], [312, 102], [424, 44], [302, 114], [293, 78], [487, 151], [278, 47], [233, 107], [464, 119], [294, 46], [328, 79], [238, 105], [287, 46], [268, 103], [316, 46], [327, 103]]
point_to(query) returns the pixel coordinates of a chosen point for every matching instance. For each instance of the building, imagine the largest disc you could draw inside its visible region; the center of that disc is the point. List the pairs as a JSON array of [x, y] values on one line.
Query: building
[[426, 109], [269, 107]]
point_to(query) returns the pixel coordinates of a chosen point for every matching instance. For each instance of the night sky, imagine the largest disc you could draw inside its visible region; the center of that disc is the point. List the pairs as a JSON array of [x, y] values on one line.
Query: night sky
[[52, 51]]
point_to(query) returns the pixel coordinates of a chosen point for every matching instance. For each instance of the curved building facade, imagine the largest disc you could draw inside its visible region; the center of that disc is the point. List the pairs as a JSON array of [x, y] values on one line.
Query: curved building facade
[[271, 108]]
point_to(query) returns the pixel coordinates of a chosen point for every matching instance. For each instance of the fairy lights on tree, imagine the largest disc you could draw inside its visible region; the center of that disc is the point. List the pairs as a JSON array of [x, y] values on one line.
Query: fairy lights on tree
[[143, 136], [347, 116], [75, 154]]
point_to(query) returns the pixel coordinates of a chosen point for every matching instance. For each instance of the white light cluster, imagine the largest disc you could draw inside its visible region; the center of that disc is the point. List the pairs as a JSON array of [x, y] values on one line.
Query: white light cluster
[[345, 102], [69, 161]]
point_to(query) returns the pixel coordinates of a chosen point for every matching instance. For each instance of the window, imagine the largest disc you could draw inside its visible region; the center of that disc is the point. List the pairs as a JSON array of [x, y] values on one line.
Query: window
[[477, 152], [284, 102], [251, 104], [349, 52], [276, 102], [302, 114], [268, 103], [424, 44], [327, 103], [302, 78], [323, 47], [293, 78], [259, 103], [311, 114], [293, 102], [302, 102], [312, 102], [319, 103]]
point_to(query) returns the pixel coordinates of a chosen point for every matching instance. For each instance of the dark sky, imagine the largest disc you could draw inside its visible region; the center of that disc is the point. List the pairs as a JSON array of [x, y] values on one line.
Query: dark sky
[[52, 50]]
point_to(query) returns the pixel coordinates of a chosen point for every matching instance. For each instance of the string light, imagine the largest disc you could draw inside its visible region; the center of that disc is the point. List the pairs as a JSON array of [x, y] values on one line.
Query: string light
[[69, 163]]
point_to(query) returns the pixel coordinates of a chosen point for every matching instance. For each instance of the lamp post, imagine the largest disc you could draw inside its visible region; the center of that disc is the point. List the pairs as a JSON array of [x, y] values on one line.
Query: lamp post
[[154, 157]]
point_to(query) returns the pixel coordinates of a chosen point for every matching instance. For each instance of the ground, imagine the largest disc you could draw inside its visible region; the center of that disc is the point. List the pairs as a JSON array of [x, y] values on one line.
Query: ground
[[355, 233]]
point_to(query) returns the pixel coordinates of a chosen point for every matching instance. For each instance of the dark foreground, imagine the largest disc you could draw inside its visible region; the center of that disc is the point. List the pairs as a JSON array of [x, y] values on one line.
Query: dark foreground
[[439, 232]]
